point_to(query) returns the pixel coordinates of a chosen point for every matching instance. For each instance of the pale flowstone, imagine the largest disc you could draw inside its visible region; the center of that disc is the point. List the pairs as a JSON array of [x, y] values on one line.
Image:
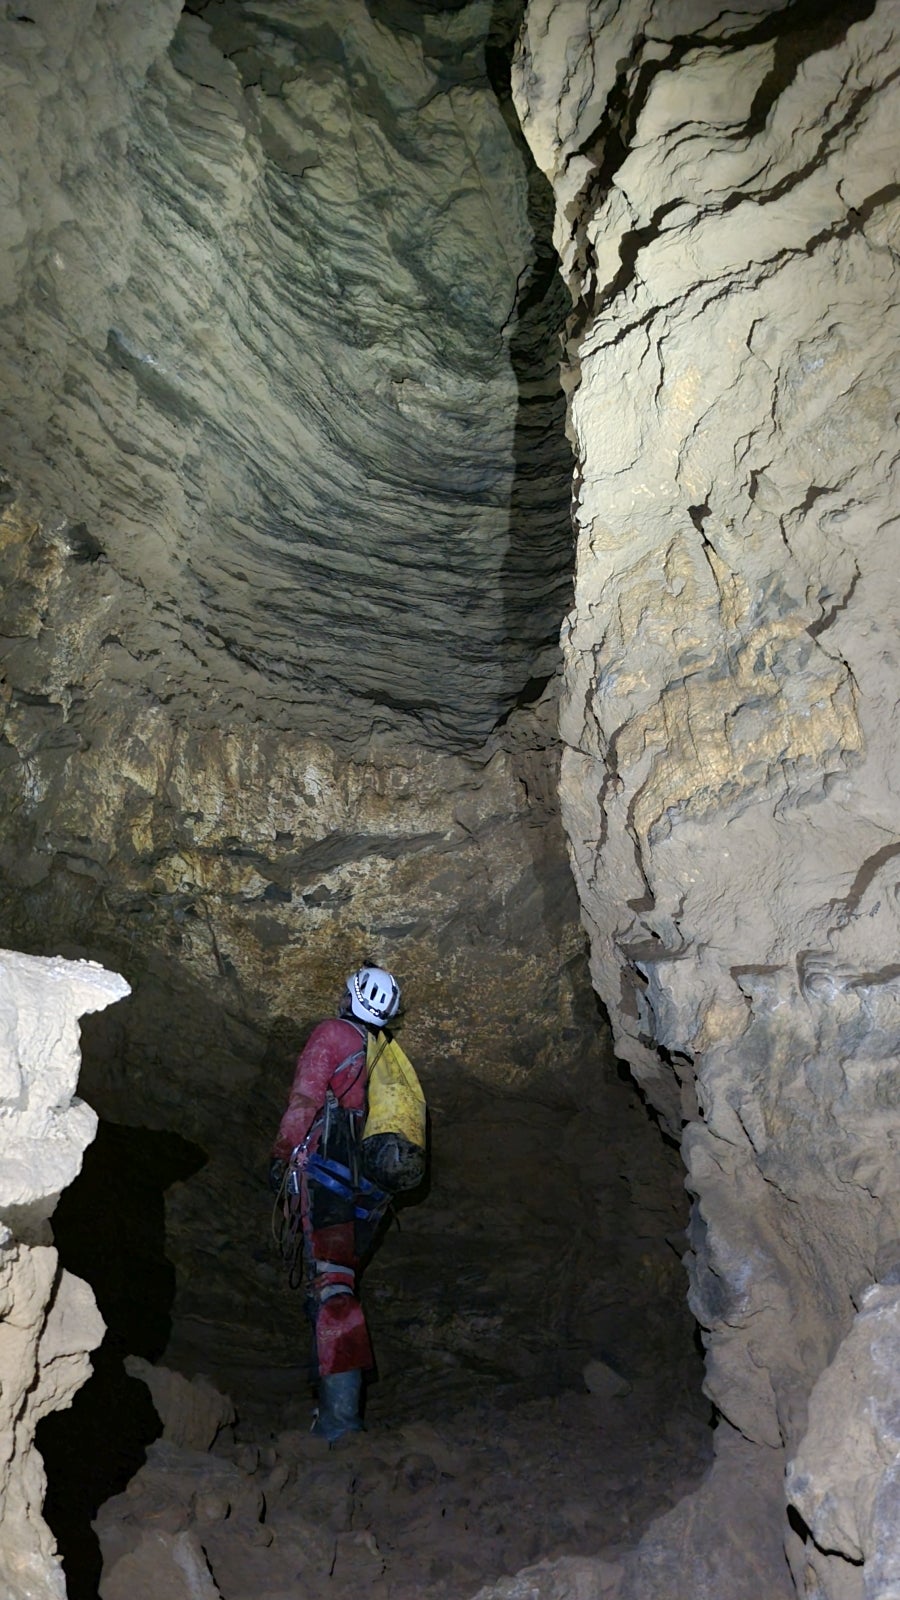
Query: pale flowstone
[[49, 1321], [44, 1127]]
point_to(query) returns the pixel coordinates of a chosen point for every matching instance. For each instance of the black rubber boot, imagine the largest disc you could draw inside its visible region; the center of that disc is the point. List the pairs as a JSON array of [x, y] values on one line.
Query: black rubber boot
[[338, 1405]]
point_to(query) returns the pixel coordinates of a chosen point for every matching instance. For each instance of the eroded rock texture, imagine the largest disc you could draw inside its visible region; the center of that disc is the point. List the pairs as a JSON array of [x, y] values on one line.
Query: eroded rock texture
[[728, 224], [285, 539], [49, 1321], [271, 285], [845, 1479], [265, 545]]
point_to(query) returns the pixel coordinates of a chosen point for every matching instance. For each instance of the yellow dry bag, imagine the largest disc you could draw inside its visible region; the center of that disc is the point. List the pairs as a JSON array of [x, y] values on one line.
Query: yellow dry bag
[[392, 1150]]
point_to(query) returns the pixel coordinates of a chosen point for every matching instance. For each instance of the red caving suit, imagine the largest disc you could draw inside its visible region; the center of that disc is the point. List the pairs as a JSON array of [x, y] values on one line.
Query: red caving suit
[[330, 1252]]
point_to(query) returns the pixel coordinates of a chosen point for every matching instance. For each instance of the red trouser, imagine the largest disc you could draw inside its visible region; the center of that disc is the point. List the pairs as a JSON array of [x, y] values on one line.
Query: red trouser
[[341, 1335]]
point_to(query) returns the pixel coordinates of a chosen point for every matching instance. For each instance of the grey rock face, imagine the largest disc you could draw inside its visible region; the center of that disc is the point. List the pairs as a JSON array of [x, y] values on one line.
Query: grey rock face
[[284, 540], [844, 1477], [727, 220], [703, 1550], [279, 358]]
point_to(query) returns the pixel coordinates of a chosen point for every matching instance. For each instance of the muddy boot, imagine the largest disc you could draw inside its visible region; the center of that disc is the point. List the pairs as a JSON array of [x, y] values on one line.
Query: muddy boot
[[338, 1405]]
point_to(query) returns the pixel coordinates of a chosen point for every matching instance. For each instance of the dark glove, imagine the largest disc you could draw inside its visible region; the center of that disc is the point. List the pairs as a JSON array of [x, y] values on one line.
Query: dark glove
[[277, 1169]]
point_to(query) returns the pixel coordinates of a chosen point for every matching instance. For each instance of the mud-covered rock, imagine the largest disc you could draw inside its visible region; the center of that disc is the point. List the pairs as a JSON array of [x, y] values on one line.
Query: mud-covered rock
[[171, 1564], [192, 1411]]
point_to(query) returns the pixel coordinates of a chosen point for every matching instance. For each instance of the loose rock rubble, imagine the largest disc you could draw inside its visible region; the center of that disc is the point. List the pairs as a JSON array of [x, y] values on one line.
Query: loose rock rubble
[[422, 1508]]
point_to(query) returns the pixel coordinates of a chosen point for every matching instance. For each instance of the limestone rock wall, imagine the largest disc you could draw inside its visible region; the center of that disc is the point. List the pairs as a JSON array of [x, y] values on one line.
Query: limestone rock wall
[[284, 542], [49, 1321], [284, 531], [844, 1479], [727, 222], [272, 284]]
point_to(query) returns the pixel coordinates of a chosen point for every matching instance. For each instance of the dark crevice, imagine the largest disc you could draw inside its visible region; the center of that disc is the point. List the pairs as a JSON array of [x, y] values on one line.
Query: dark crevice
[[858, 216], [800, 30], [871, 980], [847, 907], [792, 180], [538, 568], [630, 248], [698, 516], [109, 1229], [824, 622], [811, 27], [529, 695]]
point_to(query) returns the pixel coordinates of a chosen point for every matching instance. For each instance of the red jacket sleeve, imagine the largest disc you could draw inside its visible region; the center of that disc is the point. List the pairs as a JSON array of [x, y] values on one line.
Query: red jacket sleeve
[[327, 1047]]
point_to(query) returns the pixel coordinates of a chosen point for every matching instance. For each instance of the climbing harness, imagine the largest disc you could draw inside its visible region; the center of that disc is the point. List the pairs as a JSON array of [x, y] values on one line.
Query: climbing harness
[[340, 1180], [334, 1191], [343, 1172]]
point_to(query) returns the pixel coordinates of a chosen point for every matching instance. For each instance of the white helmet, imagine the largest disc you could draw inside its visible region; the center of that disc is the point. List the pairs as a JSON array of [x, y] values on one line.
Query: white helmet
[[374, 995]]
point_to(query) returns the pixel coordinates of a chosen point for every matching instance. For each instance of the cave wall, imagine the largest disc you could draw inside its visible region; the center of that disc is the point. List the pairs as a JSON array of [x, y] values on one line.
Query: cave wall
[[49, 1322], [727, 222], [285, 538], [262, 342], [285, 531]]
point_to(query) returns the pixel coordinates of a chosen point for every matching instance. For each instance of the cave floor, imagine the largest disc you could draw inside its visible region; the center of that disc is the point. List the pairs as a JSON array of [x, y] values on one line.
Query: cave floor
[[538, 1392], [438, 1497]]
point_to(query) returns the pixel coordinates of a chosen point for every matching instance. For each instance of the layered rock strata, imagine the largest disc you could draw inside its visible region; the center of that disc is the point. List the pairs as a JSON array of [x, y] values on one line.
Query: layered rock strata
[[727, 222], [280, 546], [284, 540], [273, 283], [49, 1321]]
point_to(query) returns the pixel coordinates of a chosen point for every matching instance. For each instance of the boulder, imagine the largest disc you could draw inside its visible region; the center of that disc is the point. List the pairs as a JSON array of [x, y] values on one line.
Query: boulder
[[192, 1410]]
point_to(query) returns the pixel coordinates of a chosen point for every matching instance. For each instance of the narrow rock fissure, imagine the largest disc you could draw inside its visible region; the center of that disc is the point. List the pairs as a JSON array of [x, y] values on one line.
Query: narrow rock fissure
[[109, 1228]]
